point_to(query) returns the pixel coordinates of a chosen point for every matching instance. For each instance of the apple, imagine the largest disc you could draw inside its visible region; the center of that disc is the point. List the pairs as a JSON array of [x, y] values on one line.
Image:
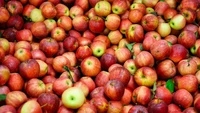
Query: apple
[[73, 98], [27, 11], [166, 69], [11, 62], [193, 4], [50, 24], [87, 107], [171, 39], [15, 82], [7, 108], [102, 78], [89, 82], [83, 52], [102, 8], [72, 57], [59, 63], [63, 109], [191, 79], [137, 108], [115, 36], [61, 84], [114, 89], [38, 54], [169, 13], [49, 101], [96, 24], [30, 106], [150, 3], [49, 46], [83, 87], [15, 21], [149, 22], [5, 45], [161, 7], [22, 44], [88, 34], [65, 22], [189, 14], [122, 54], [75, 10], [62, 10], [5, 15], [160, 49], [174, 108], [10, 34], [24, 35], [130, 65], [182, 98], [114, 106], [119, 6], [190, 109], [14, 7], [2, 54], [163, 94], [187, 64], [4, 74], [161, 26], [83, 3], [196, 101], [48, 9], [144, 58], [36, 15], [98, 48], [112, 21], [139, 6], [16, 98], [124, 25], [187, 38], [22, 54], [157, 105], [135, 33], [135, 13], [177, 22], [127, 96], [145, 76], [80, 23], [90, 66], [100, 103], [107, 60]]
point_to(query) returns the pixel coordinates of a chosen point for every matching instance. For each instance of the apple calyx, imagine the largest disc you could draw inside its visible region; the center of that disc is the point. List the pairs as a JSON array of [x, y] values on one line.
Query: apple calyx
[[70, 75]]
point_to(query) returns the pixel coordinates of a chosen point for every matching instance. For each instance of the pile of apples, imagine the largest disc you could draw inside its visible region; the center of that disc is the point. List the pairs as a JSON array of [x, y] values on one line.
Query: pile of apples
[[99, 56]]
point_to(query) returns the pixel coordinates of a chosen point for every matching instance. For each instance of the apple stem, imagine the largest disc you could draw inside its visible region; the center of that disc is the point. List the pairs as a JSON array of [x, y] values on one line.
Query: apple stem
[[70, 76], [153, 90]]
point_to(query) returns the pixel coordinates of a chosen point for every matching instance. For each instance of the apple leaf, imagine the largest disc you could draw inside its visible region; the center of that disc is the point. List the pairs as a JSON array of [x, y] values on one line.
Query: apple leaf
[[130, 46], [154, 13], [2, 97], [70, 75], [170, 85], [153, 90]]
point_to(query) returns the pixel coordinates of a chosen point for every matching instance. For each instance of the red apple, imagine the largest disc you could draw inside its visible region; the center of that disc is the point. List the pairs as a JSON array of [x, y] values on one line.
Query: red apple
[[14, 7], [173, 108], [72, 58], [36, 29], [115, 36], [102, 78], [50, 24], [4, 74], [127, 97], [80, 23], [23, 54], [187, 38], [59, 63], [169, 13], [87, 107], [114, 106], [100, 103], [24, 35], [89, 82], [137, 108], [149, 22], [83, 52], [83, 3], [122, 54], [187, 64], [10, 34], [124, 25], [48, 9], [164, 94], [135, 13], [107, 60], [172, 39], [119, 6], [11, 62], [63, 109], [157, 105], [135, 33], [5, 15], [96, 24], [75, 10], [84, 88], [144, 58], [15, 82], [38, 54], [7, 108], [15, 21], [112, 21]]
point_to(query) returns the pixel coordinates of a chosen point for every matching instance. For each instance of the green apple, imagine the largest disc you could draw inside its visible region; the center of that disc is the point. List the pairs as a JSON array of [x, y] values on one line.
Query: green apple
[[164, 29], [73, 98], [177, 22], [36, 15]]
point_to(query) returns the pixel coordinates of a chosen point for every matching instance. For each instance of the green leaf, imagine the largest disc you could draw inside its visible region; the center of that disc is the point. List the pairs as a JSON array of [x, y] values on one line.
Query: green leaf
[[153, 90], [130, 46], [170, 85], [2, 97]]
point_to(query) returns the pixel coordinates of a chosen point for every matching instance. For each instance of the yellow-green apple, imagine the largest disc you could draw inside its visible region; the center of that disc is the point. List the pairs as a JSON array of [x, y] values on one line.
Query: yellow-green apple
[[23, 54], [122, 54], [98, 48], [157, 105], [83, 3], [149, 22], [135, 33], [34, 87], [72, 58], [149, 10], [89, 82], [164, 94], [149, 38], [112, 21], [114, 89], [174, 108], [11, 62], [115, 36], [80, 23], [177, 22], [27, 11], [83, 52], [7, 108], [65, 22], [102, 78], [141, 95], [38, 54], [119, 6], [178, 52], [135, 13], [145, 76], [36, 29], [59, 63], [139, 6], [161, 7], [100, 103], [90, 66], [169, 13], [160, 49], [30, 106], [103, 38], [182, 98], [36, 15], [61, 84], [124, 25], [130, 65], [121, 74], [96, 24], [166, 69], [187, 66], [48, 9], [144, 58], [15, 82], [75, 10], [187, 38], [190, 80], [73, 98], [161, 26], [5, 45], [127, 96], [171, 39], [16, 98], [102, 8], [4, 14], [49, 101], [62, 10], [58, 33], [137, 108], [29, 69], [49, 46], [114, 106], [150, 3]]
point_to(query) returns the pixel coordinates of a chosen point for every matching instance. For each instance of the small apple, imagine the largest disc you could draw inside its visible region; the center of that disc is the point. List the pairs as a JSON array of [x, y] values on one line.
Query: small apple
[[177, 22]]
